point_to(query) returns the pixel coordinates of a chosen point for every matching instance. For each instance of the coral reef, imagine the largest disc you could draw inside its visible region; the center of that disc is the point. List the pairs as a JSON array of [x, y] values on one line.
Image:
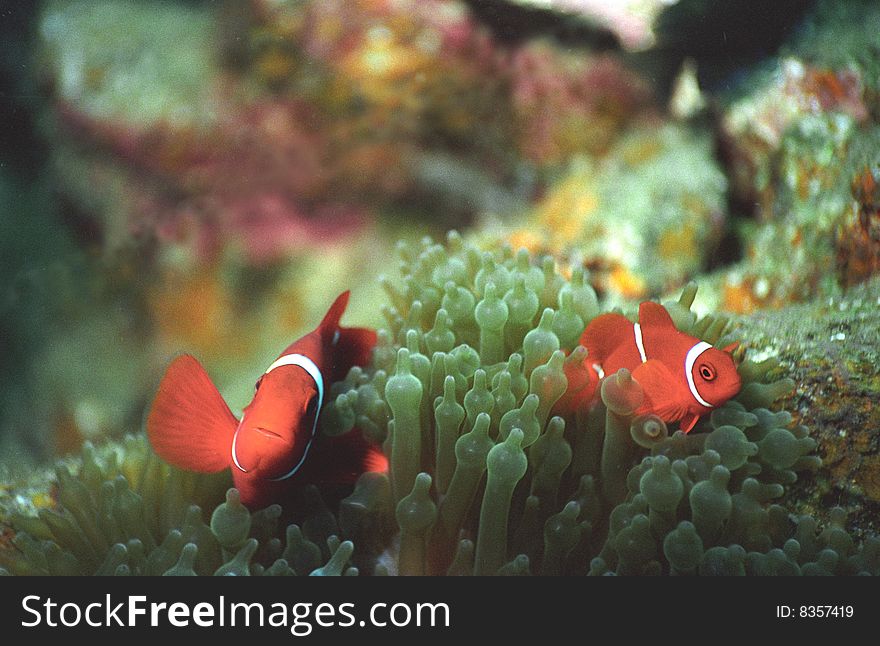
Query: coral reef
[[645, 219], [570, 103], [800, 139], [631, 20], [425, 75], [598, 491], [484, 477], [222, 166], [301, 118], [181, 151]]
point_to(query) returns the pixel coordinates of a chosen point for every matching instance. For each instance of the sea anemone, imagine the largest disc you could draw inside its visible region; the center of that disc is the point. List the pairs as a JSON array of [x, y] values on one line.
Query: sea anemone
[[485, 477]]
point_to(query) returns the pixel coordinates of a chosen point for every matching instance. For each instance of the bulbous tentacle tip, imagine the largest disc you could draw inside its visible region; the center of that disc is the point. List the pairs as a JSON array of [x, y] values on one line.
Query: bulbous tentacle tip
[[422, 484], [621, 393], [648, 430], [514, 439], [506, 460]]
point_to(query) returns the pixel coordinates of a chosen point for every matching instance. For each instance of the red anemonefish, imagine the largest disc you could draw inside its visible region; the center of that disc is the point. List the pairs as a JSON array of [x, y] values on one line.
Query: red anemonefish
[[276, 442], [683, 378]]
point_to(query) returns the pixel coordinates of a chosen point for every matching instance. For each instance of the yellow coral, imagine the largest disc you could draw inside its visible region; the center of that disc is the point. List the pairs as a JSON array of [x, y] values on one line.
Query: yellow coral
[[564, 212], [526, 238], [195, 311], [275, 65], [624, 282], [674, 243], [42, 500]]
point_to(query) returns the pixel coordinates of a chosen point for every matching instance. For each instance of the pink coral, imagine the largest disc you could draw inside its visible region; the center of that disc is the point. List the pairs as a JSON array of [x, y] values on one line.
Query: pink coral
[[571, 103], [257, 177]]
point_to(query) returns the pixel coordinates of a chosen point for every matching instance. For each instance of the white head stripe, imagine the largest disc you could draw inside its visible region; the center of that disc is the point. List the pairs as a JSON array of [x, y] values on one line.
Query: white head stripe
[[303, 362], [689, 361], [637, 330], [234, 455], [315, 373]]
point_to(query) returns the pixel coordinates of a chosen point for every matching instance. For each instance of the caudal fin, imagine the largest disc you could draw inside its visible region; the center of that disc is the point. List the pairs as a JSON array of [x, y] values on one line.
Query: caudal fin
[[604, 334], [189, 425]]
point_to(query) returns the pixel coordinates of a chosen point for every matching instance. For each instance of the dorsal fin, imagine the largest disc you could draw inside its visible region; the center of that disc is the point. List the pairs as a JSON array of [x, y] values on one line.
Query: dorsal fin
[[330, 322], [354, 347], [654, 315], [604, 335]]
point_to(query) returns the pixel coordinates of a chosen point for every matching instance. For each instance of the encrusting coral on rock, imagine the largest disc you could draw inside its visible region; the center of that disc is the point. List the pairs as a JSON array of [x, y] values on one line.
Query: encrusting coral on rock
[[485, 478]]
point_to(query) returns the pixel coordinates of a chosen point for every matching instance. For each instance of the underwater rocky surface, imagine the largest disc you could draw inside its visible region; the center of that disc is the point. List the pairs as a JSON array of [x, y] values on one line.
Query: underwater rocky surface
[[829, 349], [479, 347]]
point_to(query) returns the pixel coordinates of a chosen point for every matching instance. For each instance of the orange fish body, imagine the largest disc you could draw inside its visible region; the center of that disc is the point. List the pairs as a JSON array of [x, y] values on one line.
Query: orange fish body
[[682, 377], [276, 443]]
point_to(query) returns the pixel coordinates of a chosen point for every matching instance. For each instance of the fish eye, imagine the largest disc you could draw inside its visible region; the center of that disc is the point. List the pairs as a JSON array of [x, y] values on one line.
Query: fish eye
[[707, 372]]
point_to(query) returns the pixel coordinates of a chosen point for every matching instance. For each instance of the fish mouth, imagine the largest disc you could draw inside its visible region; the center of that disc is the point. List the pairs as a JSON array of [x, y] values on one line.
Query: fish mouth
[[267, 433]]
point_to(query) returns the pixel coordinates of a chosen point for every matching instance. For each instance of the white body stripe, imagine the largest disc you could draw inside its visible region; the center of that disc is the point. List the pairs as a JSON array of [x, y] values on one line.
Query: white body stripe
[[689, 361], [640, 345], [315, 373], [637, 331]]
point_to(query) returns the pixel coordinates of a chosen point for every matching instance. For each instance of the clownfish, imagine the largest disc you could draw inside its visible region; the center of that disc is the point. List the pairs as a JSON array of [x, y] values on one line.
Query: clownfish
[[683, 378], [276, 442]]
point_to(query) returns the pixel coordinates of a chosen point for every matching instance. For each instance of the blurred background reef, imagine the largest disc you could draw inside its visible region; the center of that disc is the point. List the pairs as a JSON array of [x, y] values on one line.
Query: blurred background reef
[[205, 176]]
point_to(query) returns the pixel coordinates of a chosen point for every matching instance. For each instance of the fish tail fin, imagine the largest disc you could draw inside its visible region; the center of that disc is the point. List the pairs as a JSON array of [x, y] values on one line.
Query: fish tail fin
[[189, 424], [330, 323], [604, 334]]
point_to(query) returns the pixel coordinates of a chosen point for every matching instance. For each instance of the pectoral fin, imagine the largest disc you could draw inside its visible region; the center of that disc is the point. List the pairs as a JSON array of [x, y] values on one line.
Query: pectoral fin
[[189, 425], [664, 396], [689, 421]]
